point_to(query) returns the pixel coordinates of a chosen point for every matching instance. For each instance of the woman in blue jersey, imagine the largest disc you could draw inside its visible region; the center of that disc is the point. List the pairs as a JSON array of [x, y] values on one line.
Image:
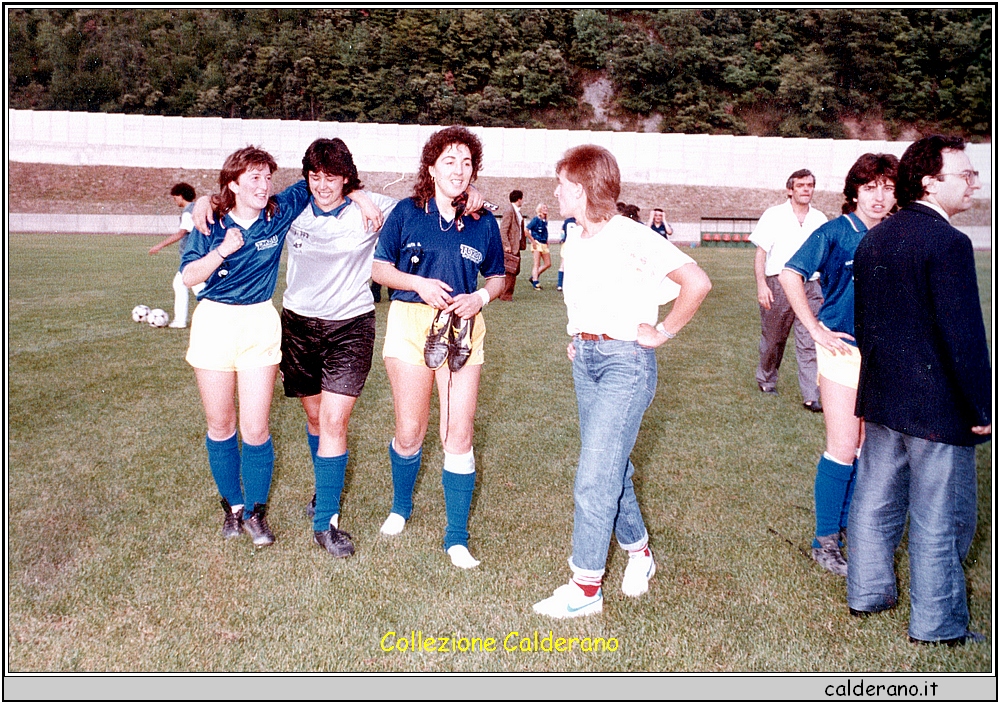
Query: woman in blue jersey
[[236, 333], [869, 193], [538, 234], [431, 254]]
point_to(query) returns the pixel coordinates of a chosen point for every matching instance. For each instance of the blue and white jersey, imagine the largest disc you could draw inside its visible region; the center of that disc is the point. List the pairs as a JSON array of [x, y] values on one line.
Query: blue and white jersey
[[419, 241], [660, 229], [330, 261], [829, 250], [539, 230], [250, 274]]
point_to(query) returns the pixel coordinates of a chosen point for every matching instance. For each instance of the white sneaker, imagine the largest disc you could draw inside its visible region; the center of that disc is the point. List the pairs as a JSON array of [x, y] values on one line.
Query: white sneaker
[[175, 324], [639, 570], [461, 557], [569, 601], [393, 525]]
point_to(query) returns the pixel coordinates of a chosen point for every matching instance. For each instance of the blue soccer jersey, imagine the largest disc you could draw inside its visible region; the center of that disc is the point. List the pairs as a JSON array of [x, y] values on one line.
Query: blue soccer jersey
[[830, 251], [539, 230], [419, 241], [250, 274]]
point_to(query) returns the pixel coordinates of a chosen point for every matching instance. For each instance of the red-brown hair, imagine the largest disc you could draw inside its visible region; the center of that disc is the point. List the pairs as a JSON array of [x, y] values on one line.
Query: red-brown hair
[[596, 169], [236, 165]]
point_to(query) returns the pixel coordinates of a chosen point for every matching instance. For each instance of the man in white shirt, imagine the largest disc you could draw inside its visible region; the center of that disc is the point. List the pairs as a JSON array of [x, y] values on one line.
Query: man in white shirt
[[779, 233]]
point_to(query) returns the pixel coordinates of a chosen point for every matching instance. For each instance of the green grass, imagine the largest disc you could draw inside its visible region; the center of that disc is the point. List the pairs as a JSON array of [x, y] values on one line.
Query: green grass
[[115, 562]]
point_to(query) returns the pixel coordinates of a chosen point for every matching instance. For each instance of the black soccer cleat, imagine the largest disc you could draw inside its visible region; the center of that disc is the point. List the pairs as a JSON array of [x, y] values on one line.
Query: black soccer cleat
[[335, 541], [256, 526], [460, 342], [232, 523], [436, 345]]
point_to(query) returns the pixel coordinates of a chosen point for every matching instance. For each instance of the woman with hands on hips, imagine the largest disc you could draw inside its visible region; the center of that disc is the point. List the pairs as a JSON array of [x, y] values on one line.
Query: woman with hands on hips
[[869, 197], [618, 272]]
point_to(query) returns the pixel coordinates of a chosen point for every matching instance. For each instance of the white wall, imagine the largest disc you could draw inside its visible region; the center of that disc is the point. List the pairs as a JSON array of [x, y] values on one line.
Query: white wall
[[76, 138]]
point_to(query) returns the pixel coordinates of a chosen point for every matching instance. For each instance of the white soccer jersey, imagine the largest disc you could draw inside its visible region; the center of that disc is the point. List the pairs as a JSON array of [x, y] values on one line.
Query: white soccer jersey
[[330, 262]]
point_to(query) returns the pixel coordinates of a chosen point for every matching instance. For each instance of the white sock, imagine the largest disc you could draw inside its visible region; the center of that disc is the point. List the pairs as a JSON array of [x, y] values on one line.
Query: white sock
[[335, 521], [238, 508], [461, 557], [393, 525], [460, 464]]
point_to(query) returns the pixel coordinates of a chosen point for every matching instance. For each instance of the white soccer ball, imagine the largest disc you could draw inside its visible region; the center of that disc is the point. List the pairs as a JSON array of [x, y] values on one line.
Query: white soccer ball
[[158, 318], [139, 313]]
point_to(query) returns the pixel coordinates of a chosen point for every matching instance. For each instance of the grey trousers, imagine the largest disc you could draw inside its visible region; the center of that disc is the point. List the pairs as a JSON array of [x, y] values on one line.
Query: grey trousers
[[775, 325]]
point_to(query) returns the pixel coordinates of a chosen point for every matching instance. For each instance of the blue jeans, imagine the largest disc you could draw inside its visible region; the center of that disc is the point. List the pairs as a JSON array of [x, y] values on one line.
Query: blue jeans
[[936, 484], [615, 383]]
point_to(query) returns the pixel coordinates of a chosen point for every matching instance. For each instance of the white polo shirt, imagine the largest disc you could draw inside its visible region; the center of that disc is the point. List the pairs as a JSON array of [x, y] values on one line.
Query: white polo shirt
[[779, 234]]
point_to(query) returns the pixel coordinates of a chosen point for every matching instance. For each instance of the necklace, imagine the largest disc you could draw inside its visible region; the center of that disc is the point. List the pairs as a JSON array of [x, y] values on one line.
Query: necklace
[[441, 223]]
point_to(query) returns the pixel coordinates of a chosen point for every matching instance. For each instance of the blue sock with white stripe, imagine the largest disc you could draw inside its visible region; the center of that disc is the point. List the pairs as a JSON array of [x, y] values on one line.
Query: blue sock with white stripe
[[459, 480]]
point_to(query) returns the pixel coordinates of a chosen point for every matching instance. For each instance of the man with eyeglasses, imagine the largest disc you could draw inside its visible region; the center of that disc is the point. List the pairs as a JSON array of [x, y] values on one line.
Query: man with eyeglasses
[[924, 394]]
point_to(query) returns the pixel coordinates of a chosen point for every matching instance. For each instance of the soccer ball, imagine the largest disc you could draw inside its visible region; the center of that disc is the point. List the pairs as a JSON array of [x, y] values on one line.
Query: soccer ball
[[158, 318], [139, 313]]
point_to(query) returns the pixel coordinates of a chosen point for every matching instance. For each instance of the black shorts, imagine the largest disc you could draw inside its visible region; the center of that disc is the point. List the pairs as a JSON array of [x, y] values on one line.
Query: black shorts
[[325, 355]]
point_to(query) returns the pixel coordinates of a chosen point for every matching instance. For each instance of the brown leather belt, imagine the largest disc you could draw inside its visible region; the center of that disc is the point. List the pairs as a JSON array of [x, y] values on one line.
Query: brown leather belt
[[592, 337]]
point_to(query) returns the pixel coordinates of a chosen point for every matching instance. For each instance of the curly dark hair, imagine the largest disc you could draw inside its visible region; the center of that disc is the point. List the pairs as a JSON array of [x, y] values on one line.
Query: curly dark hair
[[333, 158], [922, 158], [235, 165], [868, 168], [423, 190], [184, 190]]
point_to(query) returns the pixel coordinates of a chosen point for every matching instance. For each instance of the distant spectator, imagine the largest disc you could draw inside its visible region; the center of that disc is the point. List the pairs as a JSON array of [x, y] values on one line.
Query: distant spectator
[[183, 195], [659, 225], [538, 234], [632, 212], [512, 232]]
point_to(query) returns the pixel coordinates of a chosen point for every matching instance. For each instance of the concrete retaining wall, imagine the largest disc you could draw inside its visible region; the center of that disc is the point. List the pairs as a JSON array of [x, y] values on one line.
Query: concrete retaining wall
[[79, 138]]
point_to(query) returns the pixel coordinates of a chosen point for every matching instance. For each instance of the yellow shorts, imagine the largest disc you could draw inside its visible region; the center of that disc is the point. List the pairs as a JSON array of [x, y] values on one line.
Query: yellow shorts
[[843, 369], [406, 329], [536, 247], [230, 338]]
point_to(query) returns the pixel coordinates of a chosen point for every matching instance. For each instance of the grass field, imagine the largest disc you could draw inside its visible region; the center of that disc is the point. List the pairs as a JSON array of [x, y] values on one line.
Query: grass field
[[115, 562]]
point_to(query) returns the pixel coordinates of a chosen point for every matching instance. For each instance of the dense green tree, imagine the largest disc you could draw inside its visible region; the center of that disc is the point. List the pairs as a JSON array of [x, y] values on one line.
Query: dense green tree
[[731, 70]]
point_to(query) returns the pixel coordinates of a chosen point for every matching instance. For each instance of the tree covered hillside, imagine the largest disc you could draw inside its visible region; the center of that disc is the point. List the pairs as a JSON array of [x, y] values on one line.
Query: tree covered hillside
[[818, 73]]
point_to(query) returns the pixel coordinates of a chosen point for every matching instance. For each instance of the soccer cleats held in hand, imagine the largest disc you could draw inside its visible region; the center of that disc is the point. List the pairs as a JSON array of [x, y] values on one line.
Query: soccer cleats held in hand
[[449, 338]]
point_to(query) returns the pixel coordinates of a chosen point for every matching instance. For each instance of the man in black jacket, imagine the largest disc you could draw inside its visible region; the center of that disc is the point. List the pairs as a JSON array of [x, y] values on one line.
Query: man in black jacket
[[924, 394]]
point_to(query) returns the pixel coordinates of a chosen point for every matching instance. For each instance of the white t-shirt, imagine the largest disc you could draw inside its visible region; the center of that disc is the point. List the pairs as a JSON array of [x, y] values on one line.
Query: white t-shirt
[[617, 279], [330, 262], [780, 235]]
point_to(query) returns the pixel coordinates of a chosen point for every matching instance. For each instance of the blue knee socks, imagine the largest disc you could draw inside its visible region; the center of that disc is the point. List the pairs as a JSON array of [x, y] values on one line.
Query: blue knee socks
[[850, 494], [833, 480], [329, 486], [559, 279], [404, 478], [224, 461], [258, 466], [457, 501], [313, 441]]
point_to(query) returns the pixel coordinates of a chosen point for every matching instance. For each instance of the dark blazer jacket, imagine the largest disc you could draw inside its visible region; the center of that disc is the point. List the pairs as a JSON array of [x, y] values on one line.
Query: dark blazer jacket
[[925, 366]]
